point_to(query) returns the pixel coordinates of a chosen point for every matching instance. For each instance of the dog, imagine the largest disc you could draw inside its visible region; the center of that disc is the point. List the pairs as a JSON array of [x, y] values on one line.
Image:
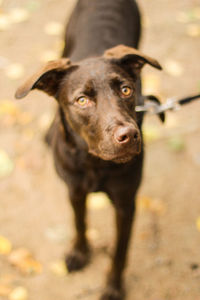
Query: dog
[[96, 135]]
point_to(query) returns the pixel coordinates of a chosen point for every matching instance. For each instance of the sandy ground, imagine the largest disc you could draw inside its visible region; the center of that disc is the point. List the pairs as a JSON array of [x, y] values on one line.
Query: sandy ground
[[164, 259]]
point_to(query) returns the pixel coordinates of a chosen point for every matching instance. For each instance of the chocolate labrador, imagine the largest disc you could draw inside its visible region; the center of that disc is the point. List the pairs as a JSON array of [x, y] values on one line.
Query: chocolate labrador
[[96, 135]]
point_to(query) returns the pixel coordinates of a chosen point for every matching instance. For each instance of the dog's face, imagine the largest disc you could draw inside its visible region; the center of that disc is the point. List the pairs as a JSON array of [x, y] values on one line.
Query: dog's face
[[98, 97]]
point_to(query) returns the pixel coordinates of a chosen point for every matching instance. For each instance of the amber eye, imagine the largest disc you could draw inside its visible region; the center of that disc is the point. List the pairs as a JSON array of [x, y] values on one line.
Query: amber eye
[[82, 100], [126, 90]]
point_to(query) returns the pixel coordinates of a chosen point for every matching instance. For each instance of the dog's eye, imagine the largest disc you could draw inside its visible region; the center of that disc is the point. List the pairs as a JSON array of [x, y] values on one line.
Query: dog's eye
[[82, 101], [126, 90]]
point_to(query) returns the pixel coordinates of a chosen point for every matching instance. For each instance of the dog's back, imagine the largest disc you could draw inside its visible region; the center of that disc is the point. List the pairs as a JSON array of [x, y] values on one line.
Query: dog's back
[[97, 25]]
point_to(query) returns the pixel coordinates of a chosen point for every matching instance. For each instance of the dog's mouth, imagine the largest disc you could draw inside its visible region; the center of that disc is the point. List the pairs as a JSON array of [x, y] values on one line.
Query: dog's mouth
[[116, 156]]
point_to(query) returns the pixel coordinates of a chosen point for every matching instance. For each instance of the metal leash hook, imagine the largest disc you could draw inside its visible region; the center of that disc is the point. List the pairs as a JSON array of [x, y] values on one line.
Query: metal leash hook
[[153, 105]]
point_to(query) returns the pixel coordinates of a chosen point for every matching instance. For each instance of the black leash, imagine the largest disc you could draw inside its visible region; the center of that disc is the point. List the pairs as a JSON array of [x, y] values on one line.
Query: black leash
[[153, 105]]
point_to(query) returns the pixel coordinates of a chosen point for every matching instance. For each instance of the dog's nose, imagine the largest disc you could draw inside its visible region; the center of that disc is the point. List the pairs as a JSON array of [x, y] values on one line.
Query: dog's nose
[[126, 134]]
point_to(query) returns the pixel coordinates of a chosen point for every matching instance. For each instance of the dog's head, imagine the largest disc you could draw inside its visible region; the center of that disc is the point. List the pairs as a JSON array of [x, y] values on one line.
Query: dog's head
[[98, 97]]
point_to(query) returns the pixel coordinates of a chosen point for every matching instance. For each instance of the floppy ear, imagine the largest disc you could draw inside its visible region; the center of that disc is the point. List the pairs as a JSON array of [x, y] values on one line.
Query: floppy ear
[[130, 57], [47, 78]]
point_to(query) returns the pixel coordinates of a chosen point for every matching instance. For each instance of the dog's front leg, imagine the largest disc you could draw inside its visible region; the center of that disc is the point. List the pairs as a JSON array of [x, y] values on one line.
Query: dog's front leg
[[79, 255], [124, 218]]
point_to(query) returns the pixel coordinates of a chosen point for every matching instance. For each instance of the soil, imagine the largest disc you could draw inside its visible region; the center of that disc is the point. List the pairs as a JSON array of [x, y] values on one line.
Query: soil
[[164, 257]]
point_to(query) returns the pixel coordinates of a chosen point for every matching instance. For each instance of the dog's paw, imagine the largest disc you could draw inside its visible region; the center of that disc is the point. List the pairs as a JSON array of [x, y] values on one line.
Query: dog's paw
[[77, 260], [112, 294]]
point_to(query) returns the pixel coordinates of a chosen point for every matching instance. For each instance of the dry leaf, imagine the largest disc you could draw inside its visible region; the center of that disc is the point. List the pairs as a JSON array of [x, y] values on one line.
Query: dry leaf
[[8, 107], [19, 293], [173, 68], [182, 17], [198, 223], [57, 233], [29, 133], [58, 268], [33, 5], [53, 28], [176, 143], [23, 260], [151, 133], [193, 30], [18, 15], [97, 200], [14, 71], [4, 22], [4, 290], [24, 118], [5, 245], [153, 205], [6, 164], [190, 15]]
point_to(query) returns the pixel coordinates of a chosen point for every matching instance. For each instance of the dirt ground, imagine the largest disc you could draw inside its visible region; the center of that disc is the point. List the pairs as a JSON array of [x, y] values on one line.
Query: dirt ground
[[164, 258]]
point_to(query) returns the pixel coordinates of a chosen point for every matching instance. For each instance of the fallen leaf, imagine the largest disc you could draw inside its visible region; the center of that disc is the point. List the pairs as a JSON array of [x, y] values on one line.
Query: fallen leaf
[[24, 118], [190, 15], [5, 245], [151, 133], [53, 28], [29, 133], [182, 17], [153, 205], [198, 223], [8, 107], [4, 22], [33, 5], [196, 12], [176, 143], [23, 260], [19, 15], [19, 293], [173, 68], [4, 290], [6, 164], [58, 268], [57, 233], [193, 30], [97, 200], [14, 71]]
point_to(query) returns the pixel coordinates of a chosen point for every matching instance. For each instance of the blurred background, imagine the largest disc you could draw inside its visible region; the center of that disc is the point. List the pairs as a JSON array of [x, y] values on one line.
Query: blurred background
[[35, 216]]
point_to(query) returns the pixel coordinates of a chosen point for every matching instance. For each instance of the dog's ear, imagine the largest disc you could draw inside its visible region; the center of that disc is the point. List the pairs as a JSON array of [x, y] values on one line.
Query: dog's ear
[[46, 79], [130, 57]]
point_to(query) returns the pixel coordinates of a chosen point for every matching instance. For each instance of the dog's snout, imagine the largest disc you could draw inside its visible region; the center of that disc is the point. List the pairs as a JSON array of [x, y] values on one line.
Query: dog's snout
[[126, 134]]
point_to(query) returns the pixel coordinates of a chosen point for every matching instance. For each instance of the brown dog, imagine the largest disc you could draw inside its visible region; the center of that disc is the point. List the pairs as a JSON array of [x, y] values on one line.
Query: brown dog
[[96, 135]]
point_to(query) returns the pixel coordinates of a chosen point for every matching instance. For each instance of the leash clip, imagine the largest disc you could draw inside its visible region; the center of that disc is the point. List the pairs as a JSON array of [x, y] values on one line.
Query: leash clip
[[153, 107], [170, 104]]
